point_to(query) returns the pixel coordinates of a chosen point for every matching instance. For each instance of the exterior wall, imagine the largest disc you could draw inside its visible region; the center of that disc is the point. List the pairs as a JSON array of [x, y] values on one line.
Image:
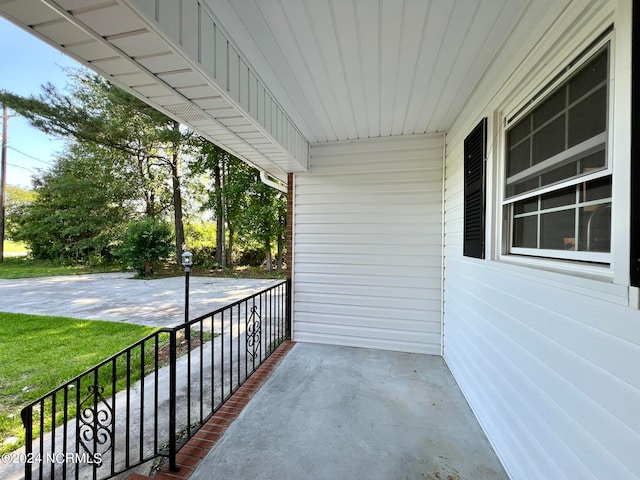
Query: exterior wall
[[368, 244], [547, 356]]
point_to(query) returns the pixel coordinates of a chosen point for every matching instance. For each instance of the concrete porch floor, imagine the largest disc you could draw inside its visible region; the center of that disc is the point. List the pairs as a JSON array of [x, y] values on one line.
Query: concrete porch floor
[[330, 412]]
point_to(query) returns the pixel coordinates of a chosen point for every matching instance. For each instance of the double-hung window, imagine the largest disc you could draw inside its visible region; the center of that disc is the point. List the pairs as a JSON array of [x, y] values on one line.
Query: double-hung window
[[557, 177]]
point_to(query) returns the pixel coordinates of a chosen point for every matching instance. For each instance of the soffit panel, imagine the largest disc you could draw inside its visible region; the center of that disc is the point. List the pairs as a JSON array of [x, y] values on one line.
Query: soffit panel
[[140, 43], [184, 78], [106, 21], [111, 38], [78, 5], [29, 12], [90, 50], [59, 32]]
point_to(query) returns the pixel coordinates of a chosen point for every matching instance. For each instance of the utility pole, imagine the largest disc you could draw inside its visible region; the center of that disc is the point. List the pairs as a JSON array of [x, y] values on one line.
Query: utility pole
[[3, 178]]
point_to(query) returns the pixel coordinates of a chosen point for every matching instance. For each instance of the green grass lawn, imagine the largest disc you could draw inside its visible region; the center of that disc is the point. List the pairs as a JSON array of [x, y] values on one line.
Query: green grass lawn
[[24, 267], [38, 354], [15, 247]]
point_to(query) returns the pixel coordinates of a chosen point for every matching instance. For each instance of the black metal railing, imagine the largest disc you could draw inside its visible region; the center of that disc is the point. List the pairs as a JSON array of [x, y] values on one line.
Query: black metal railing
[[149, 399]]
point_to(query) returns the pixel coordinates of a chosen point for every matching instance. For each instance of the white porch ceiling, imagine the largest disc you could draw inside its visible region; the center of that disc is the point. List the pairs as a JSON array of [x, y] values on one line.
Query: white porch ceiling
[[265, 78], [348, 69]]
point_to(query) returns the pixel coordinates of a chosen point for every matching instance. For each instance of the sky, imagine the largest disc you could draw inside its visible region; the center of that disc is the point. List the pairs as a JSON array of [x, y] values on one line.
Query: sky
[[26, 64]]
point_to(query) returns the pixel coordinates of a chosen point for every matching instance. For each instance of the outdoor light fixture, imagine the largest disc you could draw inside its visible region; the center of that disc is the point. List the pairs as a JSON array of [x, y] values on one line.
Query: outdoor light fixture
[[187, 262]]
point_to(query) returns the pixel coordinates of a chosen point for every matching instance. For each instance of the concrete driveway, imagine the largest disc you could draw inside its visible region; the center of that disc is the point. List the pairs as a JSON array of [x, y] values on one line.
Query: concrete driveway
[[121, 298]]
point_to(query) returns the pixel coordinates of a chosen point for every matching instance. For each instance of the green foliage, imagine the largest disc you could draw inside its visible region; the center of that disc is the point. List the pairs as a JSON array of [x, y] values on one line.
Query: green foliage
[[97, 113], [251, 211], [252, 257], [201, 234], [145, 243], [16, 200], [133, 166], [200, 239], [80, 208], [264, 219]]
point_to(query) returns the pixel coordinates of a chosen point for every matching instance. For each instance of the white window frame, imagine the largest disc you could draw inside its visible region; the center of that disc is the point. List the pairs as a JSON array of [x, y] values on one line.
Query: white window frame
[[564, 260]]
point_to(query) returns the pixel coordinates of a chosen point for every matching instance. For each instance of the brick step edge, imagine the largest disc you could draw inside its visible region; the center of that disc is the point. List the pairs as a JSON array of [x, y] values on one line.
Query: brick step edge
[[199, 446]]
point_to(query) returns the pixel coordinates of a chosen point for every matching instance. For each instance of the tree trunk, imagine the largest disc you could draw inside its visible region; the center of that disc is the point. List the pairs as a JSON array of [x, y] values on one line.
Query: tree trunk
[[269, 259], [217, 185], [177, 197], [148, 268], [280, 254], [232, 234], [144, 170]]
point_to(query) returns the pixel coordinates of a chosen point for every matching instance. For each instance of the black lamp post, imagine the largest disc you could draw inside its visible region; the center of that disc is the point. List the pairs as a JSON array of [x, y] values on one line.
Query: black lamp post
[[187, 261]]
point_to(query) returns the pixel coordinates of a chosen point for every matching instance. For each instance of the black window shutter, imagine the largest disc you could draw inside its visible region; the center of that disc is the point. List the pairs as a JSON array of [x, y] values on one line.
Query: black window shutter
[[475, 154], [635, 149]]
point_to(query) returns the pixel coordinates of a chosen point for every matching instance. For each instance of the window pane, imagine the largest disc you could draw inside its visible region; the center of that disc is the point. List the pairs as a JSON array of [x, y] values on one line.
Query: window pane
[[595, 228], [549, 108], [595, 190], [592, 74], [557, 230], [559, 198], [519, 131], [588, 117], [523, 186], [526, 206], [519, 158], [558, 174], [593, 162], [548, 140], [525, 232]]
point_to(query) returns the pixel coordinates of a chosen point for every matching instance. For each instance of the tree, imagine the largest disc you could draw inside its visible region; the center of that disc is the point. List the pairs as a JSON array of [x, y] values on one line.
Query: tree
[[17, 199], [211, 159], [264, 218], [145, 243], [232, 179], [97, 112], [81, 206], [243, 205]]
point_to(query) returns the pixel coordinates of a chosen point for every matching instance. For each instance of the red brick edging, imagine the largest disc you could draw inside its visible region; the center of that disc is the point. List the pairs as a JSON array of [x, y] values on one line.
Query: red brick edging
[[203, 441]]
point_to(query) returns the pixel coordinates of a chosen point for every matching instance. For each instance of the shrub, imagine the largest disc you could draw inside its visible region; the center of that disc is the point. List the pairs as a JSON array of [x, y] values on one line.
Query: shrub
[[201, 241], [205, 257], [145, 243], [253, 257]]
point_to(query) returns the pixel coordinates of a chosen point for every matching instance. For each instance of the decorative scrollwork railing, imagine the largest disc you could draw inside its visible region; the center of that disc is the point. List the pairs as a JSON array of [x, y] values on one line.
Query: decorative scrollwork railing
[[253, 332], [96, 422], [128, 410]]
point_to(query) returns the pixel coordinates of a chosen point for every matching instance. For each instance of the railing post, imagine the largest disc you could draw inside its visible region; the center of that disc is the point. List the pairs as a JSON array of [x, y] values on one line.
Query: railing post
[[172, 400], [288, 310], [27, 422]]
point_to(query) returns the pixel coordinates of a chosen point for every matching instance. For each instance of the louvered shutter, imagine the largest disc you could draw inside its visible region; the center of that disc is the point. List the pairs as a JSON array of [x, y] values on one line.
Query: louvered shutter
[[475, 154]]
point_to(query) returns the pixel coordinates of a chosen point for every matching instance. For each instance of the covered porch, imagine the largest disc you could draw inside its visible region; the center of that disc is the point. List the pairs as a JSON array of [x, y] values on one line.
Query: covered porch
[[363, 109], [330, 412]]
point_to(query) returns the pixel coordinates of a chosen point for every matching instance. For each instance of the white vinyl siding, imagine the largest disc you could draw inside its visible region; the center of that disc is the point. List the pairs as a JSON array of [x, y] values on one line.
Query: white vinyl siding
[[545, 354], [368, 244]]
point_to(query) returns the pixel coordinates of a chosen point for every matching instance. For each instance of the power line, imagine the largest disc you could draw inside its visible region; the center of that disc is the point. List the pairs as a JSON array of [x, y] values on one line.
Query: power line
[[20, 166], [30, 156]]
